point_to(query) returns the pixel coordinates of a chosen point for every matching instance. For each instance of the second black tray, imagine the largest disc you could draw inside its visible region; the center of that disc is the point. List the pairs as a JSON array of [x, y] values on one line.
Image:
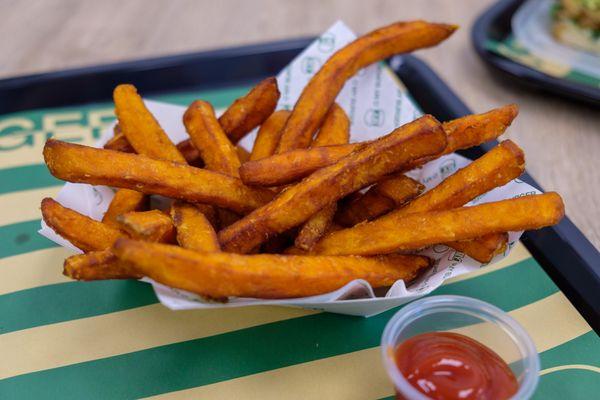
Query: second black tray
[[495, 23]]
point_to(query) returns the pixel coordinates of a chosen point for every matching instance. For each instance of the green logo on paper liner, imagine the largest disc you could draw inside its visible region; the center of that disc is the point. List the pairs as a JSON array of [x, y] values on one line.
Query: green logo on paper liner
[[310, 65], [326, 43], [447, 168], [374, 117]]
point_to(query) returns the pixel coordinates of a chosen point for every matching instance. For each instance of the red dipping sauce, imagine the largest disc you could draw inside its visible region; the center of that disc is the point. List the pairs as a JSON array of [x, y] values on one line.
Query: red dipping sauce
[[449, 366]]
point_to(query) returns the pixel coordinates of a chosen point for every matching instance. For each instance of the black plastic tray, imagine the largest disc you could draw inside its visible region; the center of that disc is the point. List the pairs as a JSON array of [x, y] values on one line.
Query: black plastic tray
[[566, 255], [495, 23]]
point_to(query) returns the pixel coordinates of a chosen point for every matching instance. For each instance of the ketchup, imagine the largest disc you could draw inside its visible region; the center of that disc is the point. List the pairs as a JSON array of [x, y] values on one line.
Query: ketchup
[[450, 366]]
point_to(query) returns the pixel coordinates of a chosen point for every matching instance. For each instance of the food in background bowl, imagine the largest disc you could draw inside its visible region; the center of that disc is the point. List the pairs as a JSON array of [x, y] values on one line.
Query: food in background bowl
[[577, 24]]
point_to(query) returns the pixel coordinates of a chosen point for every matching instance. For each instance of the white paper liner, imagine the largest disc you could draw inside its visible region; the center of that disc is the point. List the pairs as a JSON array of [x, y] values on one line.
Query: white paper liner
[[377, 103]]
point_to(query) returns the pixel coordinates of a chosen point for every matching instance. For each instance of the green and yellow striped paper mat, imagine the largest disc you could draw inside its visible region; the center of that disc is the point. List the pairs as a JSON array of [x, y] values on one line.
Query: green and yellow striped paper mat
[[97, 340]]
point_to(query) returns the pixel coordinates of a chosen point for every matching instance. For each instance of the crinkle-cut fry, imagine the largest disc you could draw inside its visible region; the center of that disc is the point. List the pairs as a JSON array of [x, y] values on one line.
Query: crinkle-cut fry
[[82, 231], [484, 248], [141, 128], [208, 137], [322, 89], [392, 232], [268, 135], [419, 138], [77, 163], [251, 110], [381, 198], [194, 231], [462, 133], [335, 128], [124, 201], [262, 275], [152, 226], [281, 169], [98, 265], [314, 228]]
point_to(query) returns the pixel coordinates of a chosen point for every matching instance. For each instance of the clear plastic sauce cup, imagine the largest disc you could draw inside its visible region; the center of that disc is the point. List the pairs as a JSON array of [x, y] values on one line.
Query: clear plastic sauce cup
[[476, 319]]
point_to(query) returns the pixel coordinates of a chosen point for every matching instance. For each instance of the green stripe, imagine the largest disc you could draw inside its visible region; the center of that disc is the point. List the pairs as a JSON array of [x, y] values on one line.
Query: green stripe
[[583, 350], [571, 384], [248, 351], [68, 301], [219, 98], [21, 238], [25, 178]]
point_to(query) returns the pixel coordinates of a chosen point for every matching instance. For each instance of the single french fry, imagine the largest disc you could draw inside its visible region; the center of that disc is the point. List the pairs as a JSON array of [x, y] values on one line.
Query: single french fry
[[484, 248], [76, 163], [138, 129], [82, 231], [320, 92], [190, 153], [242, 153], [473, 130], [141, 128], [262, 275], [208, 137], [124, 201], [251, 110], [98, 265], [495, 168], [152, 226], [278, 243], [119, 143], [381, 198], [315, 227], [194, 231], [268, 135], [226, 217], [462, 133], [281, 169], [393, 232], [419, 138], [335, 128]]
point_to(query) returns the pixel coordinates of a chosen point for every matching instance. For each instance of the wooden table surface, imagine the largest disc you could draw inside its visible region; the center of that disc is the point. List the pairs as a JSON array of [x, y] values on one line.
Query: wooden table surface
[[561, 139]]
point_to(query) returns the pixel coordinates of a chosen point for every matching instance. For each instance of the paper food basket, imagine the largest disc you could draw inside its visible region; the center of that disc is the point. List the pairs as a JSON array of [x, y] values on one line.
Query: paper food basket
[[376, 102]]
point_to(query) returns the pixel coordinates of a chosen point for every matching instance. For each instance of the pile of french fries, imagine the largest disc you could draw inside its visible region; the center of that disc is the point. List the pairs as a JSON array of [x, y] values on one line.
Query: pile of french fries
[[304, 212]]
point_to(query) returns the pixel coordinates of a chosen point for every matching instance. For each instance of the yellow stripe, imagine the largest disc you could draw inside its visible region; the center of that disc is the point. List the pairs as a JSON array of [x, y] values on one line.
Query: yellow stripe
[[360, 375], [568, 367], [517, 254], [38, 268], [122, 332], [23, 206]]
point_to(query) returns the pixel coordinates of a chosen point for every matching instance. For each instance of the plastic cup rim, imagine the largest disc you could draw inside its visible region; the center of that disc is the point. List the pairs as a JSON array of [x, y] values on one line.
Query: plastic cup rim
[[466, 305]]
